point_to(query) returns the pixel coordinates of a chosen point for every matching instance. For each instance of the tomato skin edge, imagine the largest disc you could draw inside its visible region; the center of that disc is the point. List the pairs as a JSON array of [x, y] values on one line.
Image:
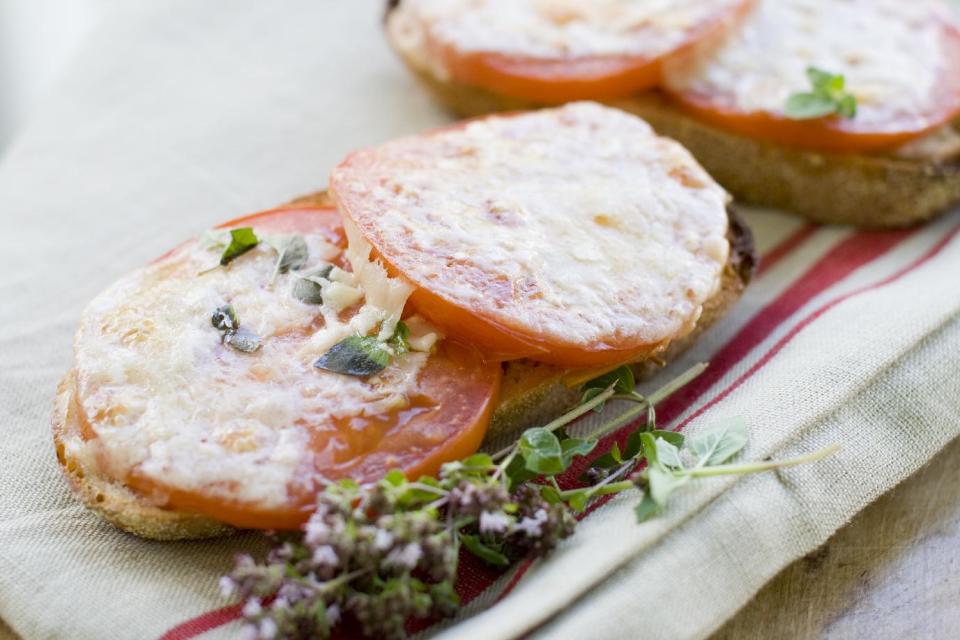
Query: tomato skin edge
[[556, 81]]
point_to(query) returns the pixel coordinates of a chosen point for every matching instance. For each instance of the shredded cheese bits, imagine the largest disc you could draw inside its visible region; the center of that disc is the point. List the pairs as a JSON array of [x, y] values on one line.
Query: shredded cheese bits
[[575, 226]]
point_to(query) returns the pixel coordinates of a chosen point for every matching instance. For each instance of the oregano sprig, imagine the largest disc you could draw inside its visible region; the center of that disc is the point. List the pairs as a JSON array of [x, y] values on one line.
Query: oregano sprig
[[388, 552], [828, 96]]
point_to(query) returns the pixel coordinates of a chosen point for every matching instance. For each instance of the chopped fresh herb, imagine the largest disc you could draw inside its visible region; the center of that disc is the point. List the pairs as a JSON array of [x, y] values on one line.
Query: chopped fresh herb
[[828, 97], [308, 289], [241, 241], [242, 340], [292, 254], [355, 356], [225, 318], [720, 442], [399, 341]]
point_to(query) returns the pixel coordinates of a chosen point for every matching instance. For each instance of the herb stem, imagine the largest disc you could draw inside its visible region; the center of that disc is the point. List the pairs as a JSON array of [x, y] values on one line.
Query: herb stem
[[426, 487], [677, 383], [563, 420], [643, 404], [756, 467]]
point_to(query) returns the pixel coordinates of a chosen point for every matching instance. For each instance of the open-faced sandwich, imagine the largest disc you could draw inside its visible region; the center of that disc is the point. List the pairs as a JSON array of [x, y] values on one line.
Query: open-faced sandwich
[[447, 288], [844, 112]]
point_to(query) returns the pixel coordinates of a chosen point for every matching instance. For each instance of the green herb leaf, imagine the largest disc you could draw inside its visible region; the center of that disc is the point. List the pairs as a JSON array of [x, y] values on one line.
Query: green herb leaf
[[355, 356], [673, 437], [550, 494], [484, 552], [663, 483], [308, 289], [578, 499], [243, 340], [606, 461], [647, 508], [633, 447], [621, 378], [572, 447], [225, 318], [399, 339], [591, 393], [649, 442], [517, 473], [395, 477], [668, 454], [807, 106], [479, 462], [292, 254], [828, 97], [541, 451], [241, 241], [718, 443]]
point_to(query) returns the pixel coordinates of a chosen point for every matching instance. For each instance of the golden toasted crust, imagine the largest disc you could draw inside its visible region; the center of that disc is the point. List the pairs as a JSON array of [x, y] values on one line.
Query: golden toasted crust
[[870, 191], [112, 500], [531, 393]]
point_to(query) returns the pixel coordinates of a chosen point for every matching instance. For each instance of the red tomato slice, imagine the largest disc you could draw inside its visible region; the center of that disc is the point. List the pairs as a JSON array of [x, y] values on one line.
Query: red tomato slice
[[446, 419], [877, 126], [573, 236], [564, 77]]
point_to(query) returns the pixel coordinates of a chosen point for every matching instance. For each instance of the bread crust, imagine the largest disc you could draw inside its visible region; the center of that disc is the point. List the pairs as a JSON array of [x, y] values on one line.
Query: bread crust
[[531, 393], [868, 191]]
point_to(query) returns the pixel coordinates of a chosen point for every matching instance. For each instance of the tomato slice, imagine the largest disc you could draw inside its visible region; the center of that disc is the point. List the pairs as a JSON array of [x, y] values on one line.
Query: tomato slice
[[445, 419], [900, 60], [552, 53], [573, 236]]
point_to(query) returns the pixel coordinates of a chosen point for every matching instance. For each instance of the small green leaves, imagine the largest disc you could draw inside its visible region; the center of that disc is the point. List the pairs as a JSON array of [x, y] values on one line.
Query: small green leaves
[[355, 356], [241, 241], [292, 254], [828, 97], [243, 340], [668, 454], [720, 442], [225, 320], [621, 379], [572, 447], [484, 552], [399, 341], [308, 289], [541, 451], [663, 483]]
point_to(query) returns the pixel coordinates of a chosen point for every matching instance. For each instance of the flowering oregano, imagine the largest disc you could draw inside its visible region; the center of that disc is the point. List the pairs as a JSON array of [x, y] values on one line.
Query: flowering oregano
[[385, 553]]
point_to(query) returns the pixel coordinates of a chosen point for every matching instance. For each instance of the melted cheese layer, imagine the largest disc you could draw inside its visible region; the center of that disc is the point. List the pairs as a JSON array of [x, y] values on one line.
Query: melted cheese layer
[[550, 29], [167, 400], [576, 225], [890, 52]]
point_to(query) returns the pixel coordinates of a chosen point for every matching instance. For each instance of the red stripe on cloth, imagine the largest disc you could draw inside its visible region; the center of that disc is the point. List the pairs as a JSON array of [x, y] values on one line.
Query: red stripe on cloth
[[785, 248], [203, 623], [850, 254], [812, 317], [844, 258]]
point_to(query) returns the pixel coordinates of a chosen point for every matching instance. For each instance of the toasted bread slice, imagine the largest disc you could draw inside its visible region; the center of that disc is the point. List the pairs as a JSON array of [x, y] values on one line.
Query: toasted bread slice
[[870, 191], [531, 393]]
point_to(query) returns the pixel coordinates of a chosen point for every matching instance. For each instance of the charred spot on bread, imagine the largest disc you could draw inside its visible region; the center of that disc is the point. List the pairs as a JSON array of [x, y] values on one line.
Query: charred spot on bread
[[743, 251]]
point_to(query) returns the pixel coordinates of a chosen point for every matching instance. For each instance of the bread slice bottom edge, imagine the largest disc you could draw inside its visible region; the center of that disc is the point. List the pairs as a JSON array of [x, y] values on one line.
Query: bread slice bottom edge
[[531, 393], [867, 191]]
